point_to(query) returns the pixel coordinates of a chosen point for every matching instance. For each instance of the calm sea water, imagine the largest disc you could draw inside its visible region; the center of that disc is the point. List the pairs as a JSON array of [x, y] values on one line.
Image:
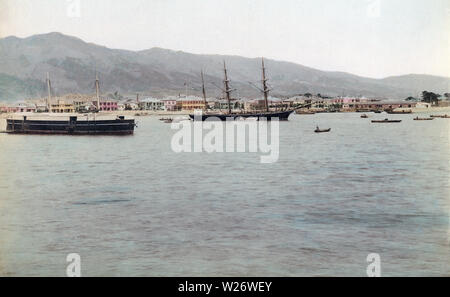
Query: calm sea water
[[131, 207]]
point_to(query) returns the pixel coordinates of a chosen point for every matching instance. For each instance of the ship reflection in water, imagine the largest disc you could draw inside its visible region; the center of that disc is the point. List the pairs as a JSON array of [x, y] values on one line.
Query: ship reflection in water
[[129, 206]]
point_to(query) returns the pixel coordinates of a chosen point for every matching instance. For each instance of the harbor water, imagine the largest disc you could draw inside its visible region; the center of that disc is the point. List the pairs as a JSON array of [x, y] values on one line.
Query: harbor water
[[130, 206]]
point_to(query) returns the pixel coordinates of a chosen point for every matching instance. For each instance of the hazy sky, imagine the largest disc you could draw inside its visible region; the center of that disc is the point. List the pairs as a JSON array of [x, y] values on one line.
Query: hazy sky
[[374, 38]]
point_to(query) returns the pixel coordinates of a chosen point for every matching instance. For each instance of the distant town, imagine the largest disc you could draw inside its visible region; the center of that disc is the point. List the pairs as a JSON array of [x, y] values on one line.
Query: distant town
[[77, 103]]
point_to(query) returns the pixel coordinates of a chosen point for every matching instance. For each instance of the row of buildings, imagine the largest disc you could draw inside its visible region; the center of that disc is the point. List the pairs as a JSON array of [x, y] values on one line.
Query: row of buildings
[[85, 103], [80, 103]]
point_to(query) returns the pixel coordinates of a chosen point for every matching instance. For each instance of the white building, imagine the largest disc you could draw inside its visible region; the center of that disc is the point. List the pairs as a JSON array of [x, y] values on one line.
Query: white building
[[151, 104]]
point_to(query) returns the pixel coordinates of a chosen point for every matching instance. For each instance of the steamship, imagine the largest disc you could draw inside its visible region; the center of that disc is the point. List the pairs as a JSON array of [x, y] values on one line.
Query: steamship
[[87, 124], [72, 126]]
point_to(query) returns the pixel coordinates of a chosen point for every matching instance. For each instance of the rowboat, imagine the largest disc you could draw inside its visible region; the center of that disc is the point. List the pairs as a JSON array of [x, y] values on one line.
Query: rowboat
[[322, 131], [386, 121]]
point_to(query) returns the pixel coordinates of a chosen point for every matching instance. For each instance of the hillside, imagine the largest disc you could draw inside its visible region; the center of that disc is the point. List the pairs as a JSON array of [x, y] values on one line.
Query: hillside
[[72, 64]]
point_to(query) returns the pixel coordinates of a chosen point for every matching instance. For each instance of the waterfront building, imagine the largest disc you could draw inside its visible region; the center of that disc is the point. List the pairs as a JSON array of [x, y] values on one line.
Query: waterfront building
[[381, 105], [130, 105], [121, 106], [192, 103], [41, 107], [84, 106], [300, 99], [423, 105], [106, 104], [20, 107], [27, 107], [172, 104], [444, 103], [3, 108], [62, 106], [151, 104], [348, 100]]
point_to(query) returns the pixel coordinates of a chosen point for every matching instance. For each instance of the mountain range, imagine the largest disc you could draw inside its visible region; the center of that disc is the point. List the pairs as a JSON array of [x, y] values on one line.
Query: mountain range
[[73, 64]]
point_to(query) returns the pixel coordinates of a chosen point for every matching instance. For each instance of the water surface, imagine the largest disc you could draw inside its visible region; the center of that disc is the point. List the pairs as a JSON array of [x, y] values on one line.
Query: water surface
[[132, 207]]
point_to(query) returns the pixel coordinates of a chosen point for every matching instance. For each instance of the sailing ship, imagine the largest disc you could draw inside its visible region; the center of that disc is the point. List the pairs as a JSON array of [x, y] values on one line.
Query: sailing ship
[[71, 124], [281, 115]]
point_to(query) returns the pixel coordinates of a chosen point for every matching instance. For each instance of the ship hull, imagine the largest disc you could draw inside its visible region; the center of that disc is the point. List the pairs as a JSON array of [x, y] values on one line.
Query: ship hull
[[387, 121], [71, 127], [281, 116]]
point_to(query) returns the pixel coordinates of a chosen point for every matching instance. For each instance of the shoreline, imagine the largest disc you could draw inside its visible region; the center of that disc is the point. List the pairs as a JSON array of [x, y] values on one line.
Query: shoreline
[[138, 113]]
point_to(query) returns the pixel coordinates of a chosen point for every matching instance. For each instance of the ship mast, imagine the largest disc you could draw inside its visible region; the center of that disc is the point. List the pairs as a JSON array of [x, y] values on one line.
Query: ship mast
[[265, 88], [49, 98], [226, 83], [97, 89], [204, 91]]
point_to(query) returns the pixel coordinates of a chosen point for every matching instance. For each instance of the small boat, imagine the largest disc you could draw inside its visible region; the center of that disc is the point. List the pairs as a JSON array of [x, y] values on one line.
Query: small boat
[[318, 130], [386, 121], [168, 121], [440, 116], [423, 119], [377, 111], [364, 116]]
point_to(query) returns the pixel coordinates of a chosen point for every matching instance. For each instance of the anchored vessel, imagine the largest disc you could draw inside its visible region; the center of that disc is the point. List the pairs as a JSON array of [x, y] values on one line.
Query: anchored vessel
[[71, 124], [318, 130], [423, 119], [440, 116], [386, 121], [267, 114]]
